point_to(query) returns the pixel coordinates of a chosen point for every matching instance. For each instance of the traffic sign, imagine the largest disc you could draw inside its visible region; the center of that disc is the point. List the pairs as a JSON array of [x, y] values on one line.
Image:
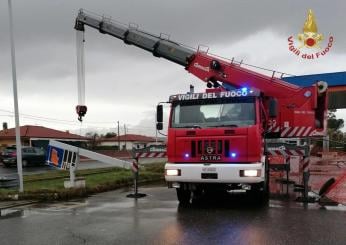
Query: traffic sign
[[60, 158]]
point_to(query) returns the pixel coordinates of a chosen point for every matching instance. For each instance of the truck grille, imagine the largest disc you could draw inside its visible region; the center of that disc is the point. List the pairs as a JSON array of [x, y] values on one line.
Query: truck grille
[[210, 147]]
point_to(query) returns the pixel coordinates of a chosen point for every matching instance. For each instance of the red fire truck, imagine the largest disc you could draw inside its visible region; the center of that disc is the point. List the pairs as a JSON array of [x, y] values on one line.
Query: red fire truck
[[217, 139]]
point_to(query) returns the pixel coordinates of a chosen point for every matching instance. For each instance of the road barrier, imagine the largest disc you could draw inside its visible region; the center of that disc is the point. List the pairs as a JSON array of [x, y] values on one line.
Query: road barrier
[[151, 154], [9, 181], [135, 170]]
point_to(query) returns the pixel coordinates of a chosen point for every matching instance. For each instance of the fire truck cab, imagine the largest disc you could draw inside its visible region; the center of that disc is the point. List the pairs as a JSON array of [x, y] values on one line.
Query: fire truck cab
[[215, 141]]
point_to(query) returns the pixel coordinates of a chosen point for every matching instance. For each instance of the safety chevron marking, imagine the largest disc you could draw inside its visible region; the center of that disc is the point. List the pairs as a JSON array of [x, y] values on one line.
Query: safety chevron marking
[[151, 154]]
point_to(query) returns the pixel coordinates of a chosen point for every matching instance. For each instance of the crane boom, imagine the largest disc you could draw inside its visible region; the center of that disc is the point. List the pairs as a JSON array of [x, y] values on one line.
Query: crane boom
[[157, 45], [196, 62]]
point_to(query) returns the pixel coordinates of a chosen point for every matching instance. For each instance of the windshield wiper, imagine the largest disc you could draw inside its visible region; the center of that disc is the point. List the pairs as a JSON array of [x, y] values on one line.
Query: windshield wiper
[[189, 126], [227, 125]]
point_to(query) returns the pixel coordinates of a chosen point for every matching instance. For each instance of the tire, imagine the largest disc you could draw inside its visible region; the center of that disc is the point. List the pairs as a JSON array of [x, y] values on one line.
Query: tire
[[25, 163], [183, 196], [260, 192], [264, 188]]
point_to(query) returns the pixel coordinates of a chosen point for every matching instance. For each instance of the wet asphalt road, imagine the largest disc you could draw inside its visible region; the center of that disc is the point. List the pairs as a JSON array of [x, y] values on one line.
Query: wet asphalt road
[[111, 218]]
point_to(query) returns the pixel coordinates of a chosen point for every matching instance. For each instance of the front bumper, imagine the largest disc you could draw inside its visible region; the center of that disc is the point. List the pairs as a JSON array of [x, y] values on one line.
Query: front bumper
[[225, 173]]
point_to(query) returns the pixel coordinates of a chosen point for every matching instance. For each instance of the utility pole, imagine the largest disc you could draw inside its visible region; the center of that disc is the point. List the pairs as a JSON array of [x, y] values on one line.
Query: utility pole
[[118, 137], [15, 97], [125, 135]]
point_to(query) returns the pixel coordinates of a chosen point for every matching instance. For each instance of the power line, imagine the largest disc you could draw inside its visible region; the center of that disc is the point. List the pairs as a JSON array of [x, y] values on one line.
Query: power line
[[56, 120]]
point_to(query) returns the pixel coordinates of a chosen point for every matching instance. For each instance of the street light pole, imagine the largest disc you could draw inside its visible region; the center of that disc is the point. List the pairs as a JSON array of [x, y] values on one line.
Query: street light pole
[[15, 97], [118, 137]]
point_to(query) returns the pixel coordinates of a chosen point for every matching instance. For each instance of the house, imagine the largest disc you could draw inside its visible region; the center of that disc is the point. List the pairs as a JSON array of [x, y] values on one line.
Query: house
[[131, 141], [39, 136]]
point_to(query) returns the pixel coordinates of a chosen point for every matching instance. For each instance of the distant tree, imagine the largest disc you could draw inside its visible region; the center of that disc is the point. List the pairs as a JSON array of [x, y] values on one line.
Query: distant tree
[[334, 124], [94, 139], [110, 135], [334, 128]]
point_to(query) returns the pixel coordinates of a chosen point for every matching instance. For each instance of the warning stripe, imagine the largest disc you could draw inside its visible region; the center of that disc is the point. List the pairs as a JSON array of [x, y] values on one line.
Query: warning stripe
[[285, 131], [307, 131], [286, 152], [134, 166], [297, 132], [293, 132], [306, 164], [151, 154], [300, 131]]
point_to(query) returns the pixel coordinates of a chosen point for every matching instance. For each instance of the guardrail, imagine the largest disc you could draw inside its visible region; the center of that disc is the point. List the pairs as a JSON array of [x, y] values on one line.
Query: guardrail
[[9, 181]]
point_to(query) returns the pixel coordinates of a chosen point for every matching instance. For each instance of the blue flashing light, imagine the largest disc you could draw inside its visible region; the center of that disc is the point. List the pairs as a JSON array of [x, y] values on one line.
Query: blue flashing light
[[233, 154], [244, 90], [251, 91], [187, 155]]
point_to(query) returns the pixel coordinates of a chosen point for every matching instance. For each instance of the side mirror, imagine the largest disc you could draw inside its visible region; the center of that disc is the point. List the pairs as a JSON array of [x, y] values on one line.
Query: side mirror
[[159, 117], [273, 108]]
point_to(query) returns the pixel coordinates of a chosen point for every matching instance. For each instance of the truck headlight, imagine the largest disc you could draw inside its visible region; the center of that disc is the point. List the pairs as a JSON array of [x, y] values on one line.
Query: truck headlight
[[250, 173], [173, 172]]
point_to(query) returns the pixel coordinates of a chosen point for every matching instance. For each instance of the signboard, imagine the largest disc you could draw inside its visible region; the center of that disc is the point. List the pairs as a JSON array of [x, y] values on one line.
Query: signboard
[[236, 93], [153, 151], [284, 149], [60, 158]]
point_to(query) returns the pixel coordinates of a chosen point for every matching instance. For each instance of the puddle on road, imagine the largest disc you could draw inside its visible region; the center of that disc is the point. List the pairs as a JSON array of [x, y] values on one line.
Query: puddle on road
[[339, 207], [59, 206], [11, 213]]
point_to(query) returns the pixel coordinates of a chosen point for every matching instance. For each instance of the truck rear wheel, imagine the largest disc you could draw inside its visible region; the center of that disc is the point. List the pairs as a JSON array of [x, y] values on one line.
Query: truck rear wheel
[[183, 196]]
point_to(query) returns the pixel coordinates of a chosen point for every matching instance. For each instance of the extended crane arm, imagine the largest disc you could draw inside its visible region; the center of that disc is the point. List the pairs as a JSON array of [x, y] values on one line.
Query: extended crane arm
[[158, 46], [201, 64]]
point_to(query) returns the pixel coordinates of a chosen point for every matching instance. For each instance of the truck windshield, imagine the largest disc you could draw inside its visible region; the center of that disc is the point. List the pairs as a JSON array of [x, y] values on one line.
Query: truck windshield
[[203, 115]]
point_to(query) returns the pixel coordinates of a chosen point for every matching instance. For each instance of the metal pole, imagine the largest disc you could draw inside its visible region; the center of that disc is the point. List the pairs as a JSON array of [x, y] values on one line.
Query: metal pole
[[125, 136], [15, 98], [135, 184], [118, 137], [326, 143], [72, 169]]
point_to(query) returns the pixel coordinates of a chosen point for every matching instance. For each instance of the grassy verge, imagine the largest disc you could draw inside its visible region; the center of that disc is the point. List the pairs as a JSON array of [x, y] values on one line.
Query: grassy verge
[[50, 185]]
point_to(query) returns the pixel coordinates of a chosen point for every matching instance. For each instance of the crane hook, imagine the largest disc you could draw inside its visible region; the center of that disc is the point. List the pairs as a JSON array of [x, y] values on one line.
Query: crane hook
[[81, 111]]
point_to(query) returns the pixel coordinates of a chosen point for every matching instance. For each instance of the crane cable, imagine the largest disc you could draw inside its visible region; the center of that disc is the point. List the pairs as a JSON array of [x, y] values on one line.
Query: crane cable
[[81, 108]]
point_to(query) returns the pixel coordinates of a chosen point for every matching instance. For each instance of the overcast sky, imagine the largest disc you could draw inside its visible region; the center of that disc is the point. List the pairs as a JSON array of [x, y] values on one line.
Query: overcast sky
[[125, 83]]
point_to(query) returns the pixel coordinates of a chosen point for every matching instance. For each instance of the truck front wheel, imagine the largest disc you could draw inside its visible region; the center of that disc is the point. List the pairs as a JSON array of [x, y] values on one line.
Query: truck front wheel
[[260, 192], [184, 196]]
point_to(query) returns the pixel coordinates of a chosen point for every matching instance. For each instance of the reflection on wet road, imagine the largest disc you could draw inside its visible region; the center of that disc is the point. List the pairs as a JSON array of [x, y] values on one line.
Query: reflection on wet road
[[111, 218]]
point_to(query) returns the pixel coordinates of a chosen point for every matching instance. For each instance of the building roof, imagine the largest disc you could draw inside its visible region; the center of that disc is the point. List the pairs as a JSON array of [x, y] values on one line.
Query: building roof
[[30, 131], [131, 137], [333, 79], [336, 86]]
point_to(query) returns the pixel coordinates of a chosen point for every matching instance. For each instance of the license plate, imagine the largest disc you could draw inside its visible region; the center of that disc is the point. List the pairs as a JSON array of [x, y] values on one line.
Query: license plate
[[208, 169], [209, 175]]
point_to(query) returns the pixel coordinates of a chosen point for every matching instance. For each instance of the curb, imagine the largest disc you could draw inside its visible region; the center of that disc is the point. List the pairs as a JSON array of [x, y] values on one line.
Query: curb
[[67, 194]]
